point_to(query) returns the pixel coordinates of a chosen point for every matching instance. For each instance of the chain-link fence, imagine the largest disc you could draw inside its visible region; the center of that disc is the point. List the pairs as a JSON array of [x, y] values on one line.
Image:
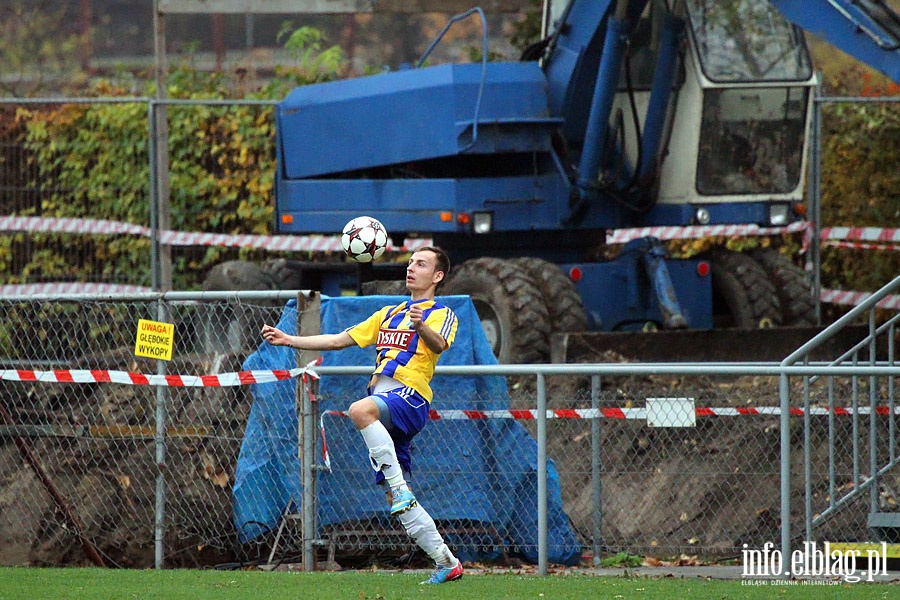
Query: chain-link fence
[[661, 488], [86, 203], [82, 463], [126, 461]]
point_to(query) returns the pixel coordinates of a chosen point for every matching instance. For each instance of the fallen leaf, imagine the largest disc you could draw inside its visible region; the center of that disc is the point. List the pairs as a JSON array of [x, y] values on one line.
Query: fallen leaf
[[212, 471]]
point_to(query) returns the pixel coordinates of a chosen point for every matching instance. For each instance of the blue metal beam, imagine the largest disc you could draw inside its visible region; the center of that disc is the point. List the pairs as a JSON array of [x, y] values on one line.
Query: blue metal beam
[[869, 30]]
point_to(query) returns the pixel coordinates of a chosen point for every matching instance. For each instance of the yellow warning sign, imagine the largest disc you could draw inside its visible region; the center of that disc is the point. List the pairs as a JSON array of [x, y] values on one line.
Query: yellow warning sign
[[154, 339]]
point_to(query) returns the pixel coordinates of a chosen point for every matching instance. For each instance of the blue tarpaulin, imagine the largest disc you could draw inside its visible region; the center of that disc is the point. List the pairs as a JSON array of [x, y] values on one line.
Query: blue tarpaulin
[[472, 471]]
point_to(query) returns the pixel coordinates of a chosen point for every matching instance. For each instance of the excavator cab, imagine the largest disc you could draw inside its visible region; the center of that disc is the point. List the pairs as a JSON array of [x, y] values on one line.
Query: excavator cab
[[697, 111], [695, 114], [747, 98]]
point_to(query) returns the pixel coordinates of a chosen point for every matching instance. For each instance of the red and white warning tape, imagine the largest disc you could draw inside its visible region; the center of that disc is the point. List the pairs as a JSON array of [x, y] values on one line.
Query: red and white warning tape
[[862, 246], [620, 236], [28, 290], [71, 225], [870, 238], [129, 378], [862, 238], [861, 234], [313, 243], [851, 298], [332, 243], [856, 237], [629, 413], [881, 235], [308, 372], [241, 378]]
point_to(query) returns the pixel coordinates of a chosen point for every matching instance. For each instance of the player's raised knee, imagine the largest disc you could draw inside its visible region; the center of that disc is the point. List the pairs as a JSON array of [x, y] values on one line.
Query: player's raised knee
[[363, 412]]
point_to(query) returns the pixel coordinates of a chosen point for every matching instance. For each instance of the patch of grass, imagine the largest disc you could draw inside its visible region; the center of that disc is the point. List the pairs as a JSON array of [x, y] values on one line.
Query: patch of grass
[[99, 584], [622, 559]]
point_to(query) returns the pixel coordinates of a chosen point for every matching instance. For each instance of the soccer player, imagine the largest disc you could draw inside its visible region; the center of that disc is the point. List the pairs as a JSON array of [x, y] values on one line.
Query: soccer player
[[409, 339]]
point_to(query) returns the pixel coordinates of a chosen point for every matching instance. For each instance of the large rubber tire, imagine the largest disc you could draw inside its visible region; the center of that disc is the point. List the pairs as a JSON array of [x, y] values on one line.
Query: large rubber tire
[[237, 275], [233, 329], [562, 300], [792, 285], [510, 308], [743, 295], [287, 274]]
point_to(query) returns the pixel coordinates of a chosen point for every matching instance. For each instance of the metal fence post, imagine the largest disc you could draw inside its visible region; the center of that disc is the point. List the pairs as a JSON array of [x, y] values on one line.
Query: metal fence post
[[596, 464], [892, 434], [814, 193], [161, 395], [308, 462], [308, 323], [155, 272], [161, 175], [854, 420], [785, 395], [807, 460], [543, 549], [873, 417]]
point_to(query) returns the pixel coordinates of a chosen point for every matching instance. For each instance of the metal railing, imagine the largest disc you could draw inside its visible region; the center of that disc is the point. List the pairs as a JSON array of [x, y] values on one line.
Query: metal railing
[[872, 368]]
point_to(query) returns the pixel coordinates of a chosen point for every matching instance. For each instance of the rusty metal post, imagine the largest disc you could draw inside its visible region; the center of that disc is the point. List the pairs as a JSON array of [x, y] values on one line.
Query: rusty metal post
[[61, 504]]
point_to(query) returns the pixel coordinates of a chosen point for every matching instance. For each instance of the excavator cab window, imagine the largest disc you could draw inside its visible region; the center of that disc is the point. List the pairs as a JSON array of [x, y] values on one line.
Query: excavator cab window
[[754, 115], [747, 41], [751, 140]]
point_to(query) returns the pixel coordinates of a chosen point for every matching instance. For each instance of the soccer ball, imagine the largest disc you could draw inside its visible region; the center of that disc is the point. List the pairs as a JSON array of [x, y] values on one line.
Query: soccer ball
[[364, 239]]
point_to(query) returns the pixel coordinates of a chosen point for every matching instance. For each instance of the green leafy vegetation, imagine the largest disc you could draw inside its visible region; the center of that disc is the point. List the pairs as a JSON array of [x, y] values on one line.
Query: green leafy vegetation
[[93, 160], [860, 150], [859, 188]]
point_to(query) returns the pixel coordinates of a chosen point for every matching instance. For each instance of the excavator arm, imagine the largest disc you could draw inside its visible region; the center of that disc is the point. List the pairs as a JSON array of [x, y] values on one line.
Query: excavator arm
[[867, 30]]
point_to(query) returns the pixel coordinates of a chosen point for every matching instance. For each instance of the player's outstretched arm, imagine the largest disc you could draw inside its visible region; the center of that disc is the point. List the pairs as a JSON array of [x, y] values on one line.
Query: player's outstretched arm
[[323, 341]]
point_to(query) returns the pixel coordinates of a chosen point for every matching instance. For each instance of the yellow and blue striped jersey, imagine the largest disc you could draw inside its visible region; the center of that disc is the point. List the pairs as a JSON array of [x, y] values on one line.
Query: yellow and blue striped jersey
[[401, 354]]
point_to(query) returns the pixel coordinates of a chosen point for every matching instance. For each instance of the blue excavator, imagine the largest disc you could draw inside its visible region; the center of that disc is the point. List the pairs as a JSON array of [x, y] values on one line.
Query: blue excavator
[[626, 114]]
